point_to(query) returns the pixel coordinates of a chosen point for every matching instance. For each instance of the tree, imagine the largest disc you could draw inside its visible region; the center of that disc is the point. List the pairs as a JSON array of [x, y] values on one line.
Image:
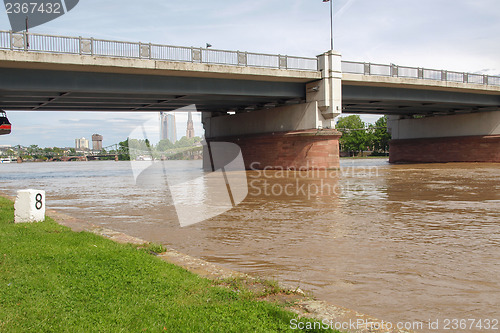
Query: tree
[[354, 135], [123, 149], [164, 145], [185, 142], [123, 145], [381, 136]]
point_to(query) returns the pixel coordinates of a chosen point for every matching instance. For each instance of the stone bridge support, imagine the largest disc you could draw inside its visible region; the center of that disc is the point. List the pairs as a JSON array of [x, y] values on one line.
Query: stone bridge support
[[473, 137], [292, 136]]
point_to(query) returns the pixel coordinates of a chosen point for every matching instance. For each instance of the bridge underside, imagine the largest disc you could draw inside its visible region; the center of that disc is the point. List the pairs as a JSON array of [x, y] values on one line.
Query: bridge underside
[[277, 115], [32, 89], [23, 89], [408, 102]]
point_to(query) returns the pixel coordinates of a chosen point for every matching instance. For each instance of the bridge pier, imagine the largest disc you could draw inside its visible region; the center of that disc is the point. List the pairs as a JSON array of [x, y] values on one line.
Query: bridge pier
[[292, 136], [473, 137], [298, 150]]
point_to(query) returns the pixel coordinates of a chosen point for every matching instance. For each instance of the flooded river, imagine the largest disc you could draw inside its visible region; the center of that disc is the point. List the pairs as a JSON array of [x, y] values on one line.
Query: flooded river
[[405, 243]]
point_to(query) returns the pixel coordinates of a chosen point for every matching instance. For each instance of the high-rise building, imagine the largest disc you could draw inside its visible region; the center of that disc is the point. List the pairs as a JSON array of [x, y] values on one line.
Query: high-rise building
[[81, 144], [190, 126], [167, 127], [97, 142]]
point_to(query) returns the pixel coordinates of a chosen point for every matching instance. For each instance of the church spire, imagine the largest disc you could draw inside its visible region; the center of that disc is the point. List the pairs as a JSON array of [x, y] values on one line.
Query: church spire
[[190, 126]]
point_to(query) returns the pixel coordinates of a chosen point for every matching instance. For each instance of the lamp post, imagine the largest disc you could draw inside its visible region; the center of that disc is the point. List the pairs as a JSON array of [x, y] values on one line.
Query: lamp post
[[331, 22]]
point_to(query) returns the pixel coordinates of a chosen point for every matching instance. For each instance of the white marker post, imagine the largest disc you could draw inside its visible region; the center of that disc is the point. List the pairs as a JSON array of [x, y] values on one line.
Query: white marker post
[[29, 206]]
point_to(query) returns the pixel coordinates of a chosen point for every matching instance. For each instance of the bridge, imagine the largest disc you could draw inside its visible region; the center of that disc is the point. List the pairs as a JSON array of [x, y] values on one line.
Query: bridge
[[114, 151], [279, 109], [111, 151]]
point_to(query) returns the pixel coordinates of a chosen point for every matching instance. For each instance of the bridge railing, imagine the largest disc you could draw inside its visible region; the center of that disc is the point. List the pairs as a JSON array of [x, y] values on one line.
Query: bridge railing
[[31, 42], [417, 73]]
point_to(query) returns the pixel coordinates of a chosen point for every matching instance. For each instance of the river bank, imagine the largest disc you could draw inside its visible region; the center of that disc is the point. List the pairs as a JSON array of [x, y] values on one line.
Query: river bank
[[412, 243], [277, 294], [54, 279]]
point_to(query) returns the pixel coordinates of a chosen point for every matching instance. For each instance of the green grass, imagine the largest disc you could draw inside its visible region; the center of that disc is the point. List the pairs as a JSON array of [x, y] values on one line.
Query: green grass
[[363, 157], [56, 280], [260, 287], [152, 248]]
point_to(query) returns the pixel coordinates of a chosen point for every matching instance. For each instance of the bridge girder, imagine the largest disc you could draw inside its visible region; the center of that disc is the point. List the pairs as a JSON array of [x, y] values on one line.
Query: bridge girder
[[49, 90], [405, 101], [27, 89]]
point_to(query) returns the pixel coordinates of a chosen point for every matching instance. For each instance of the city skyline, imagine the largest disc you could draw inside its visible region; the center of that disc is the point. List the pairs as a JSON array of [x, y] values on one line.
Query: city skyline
[[94, 125]]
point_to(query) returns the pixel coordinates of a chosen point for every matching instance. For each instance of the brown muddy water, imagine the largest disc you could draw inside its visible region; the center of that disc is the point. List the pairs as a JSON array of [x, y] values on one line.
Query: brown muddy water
[[404, 243]]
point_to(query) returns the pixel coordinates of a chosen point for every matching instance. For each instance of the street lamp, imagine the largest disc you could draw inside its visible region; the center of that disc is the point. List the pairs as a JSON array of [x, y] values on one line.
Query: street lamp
[[331, 22]]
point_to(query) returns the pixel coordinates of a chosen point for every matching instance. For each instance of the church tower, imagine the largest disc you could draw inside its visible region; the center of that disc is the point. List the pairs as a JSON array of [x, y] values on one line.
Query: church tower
[[190, 126]]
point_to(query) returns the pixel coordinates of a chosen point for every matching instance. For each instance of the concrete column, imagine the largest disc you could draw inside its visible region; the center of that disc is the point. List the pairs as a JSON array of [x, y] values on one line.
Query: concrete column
[[297, 136], [473, 137], [328, 91]]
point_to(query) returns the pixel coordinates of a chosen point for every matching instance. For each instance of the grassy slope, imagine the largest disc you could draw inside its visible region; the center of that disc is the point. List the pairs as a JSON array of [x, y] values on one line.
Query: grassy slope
[[53, 279]]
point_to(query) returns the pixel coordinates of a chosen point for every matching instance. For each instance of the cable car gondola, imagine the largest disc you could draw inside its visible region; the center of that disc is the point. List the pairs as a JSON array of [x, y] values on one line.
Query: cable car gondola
[[5, 126]]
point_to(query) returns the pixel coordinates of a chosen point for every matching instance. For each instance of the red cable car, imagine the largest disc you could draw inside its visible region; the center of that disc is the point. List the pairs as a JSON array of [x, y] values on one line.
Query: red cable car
[[5, 126]]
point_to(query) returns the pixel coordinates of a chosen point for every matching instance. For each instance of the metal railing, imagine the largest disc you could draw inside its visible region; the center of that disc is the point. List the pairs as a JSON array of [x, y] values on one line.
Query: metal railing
[[417, 73], [30, 42]]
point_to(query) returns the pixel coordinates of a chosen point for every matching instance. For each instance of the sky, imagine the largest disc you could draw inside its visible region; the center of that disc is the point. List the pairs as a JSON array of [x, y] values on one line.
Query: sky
[[458, 35]]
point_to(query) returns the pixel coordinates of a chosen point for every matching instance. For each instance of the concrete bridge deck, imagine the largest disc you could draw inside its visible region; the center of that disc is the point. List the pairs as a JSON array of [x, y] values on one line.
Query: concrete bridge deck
[[95, 75]]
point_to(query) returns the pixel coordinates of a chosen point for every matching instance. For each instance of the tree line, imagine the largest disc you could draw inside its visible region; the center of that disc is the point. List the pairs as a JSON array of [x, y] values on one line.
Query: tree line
[[357, 136], [137, 147]]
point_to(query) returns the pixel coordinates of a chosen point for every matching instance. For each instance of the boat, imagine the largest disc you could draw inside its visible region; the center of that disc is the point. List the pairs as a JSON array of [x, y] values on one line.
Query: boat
[[5, 126], [5, 160]]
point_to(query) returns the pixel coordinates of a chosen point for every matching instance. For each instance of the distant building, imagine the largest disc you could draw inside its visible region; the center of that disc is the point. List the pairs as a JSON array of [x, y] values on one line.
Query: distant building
[[97, 142], [4, 149], [190, 126], [167, 127], [81, 144]]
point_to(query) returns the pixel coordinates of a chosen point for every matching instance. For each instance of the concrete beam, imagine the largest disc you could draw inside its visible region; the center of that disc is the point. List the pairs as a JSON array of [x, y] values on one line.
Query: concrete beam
[[484, 123], [99, 64], [389, 81], [281, 119], [210, 93], [412, 94], [409, 100], [45, 80]]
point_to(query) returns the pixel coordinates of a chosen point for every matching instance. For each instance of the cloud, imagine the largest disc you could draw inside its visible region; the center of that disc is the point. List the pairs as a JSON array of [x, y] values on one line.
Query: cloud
[[455, 35]]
